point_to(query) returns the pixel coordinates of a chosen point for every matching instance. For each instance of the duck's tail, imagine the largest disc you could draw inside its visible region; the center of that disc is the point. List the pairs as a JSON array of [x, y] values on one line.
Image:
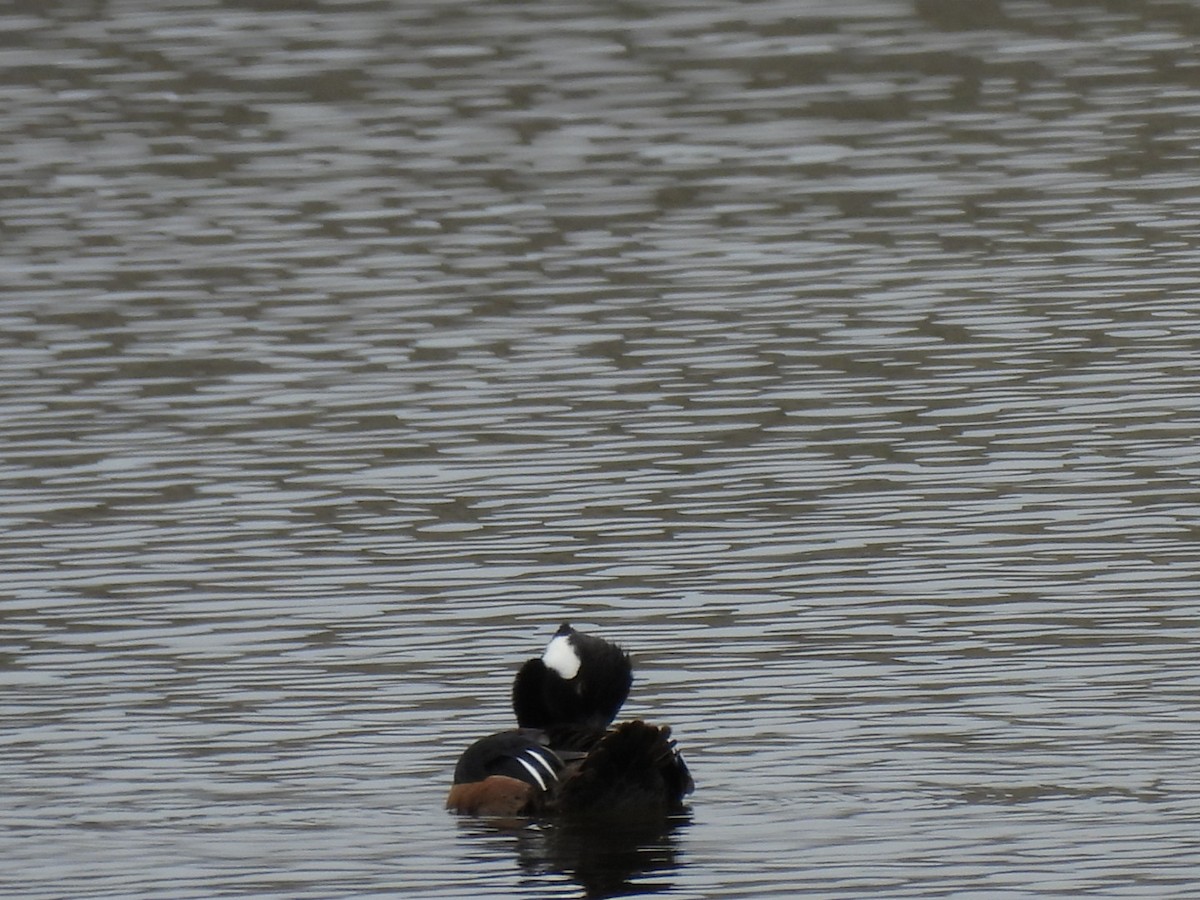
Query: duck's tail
[[634, 772]]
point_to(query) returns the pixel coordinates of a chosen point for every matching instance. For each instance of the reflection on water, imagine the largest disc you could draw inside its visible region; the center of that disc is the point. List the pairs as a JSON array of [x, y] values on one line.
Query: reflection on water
[[840, 363], [603, 862]]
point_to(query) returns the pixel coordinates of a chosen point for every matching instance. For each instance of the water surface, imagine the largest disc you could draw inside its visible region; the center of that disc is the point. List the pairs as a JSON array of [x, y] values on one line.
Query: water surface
[[840, 363]]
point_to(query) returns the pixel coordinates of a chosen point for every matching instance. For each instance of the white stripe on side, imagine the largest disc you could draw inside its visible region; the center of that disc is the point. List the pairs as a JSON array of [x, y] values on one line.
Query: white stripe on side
[[542, 761], [537, 776]]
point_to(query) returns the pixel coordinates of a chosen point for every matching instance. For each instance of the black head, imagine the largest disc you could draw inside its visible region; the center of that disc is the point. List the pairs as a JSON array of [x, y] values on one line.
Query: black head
[[579, 680]]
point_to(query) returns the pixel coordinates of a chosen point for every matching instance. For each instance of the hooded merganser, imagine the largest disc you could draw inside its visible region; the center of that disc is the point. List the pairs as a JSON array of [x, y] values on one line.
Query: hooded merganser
[[563, 758]]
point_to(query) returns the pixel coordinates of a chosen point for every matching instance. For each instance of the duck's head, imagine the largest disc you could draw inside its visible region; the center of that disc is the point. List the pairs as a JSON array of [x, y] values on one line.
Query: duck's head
[[578, 680]]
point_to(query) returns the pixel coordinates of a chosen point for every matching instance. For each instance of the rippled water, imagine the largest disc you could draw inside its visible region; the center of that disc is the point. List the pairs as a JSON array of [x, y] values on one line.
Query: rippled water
[[841, 362]]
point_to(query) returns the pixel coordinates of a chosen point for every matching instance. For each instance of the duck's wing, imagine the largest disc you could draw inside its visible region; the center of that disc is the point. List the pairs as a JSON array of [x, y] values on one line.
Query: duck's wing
[[505, 774]]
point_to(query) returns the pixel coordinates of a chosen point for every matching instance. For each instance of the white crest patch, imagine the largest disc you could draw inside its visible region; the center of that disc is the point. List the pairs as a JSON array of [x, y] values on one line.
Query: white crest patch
[[561, 657]]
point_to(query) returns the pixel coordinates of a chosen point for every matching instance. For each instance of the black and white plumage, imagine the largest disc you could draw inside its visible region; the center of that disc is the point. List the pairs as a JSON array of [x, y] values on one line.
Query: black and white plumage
[[522, 754], [563, 759], [579, 680]]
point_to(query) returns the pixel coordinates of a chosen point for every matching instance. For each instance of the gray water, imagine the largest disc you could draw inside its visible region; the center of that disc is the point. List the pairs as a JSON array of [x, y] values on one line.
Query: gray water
[[840, 361]]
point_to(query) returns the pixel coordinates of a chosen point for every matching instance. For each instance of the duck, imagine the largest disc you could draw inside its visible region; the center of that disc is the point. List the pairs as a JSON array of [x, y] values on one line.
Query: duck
[[565, 758]]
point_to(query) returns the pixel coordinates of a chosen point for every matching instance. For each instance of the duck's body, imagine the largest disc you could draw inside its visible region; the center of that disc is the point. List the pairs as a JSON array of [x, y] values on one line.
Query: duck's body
[[564, 759], [505, 774]]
